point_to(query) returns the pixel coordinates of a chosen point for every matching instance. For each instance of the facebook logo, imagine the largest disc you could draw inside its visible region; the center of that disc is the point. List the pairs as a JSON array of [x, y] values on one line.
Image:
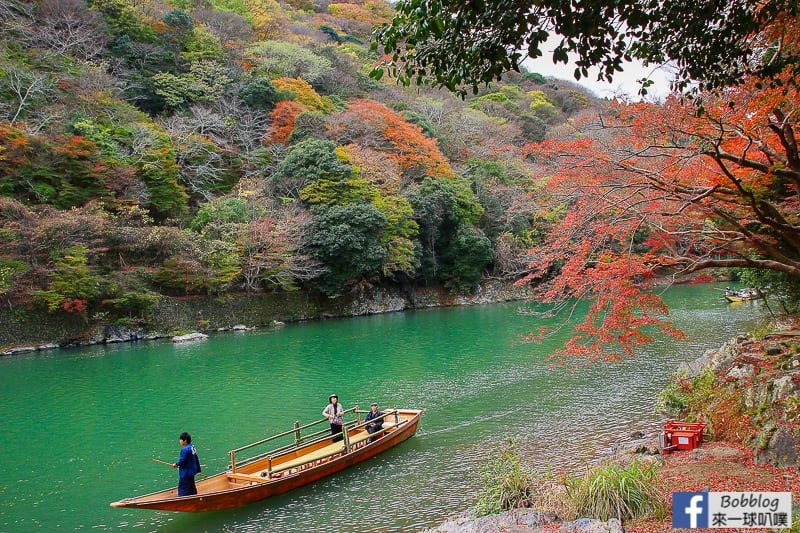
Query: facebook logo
[[726, 510], [689, 509]]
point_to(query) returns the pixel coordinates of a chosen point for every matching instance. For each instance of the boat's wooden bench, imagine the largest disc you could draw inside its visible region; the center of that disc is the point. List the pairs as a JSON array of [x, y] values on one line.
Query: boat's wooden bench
[[389, 422], [249, 478], [358, 437], [316, 455]]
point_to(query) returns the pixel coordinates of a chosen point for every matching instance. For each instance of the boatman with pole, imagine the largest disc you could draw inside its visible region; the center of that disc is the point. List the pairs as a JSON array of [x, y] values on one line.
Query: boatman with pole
[[188, 466]]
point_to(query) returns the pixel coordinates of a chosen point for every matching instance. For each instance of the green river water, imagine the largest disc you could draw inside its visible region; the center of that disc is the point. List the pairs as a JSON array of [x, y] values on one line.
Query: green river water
[[79, 428]]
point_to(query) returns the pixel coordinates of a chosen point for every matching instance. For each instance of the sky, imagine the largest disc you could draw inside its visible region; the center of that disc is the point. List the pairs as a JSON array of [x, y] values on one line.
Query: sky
[[624, 83]]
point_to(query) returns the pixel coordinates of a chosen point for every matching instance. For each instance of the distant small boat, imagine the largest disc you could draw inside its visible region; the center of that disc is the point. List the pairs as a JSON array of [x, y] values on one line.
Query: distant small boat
[[744, 295], [309, 458]]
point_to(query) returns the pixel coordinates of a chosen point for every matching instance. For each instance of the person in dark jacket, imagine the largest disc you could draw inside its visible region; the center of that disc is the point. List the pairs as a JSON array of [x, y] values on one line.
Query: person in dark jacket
[[188, 466], [377, 425]]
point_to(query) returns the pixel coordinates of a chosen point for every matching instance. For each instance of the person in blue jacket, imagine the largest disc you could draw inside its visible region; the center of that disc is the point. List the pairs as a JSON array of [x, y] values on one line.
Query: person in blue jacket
[[188, 466]]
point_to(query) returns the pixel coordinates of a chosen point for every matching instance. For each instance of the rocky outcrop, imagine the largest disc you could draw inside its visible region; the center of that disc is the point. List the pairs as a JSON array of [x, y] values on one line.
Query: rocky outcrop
[[110, 334], [190, 337], [754, 395], [525, 521]]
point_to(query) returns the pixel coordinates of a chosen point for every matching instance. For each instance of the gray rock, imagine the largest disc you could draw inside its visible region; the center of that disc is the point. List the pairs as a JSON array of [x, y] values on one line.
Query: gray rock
[[591, 525], [44, 347], [742, 371], [22, 349], [782, 450], [190, 337], [515, 520], [784, 386]]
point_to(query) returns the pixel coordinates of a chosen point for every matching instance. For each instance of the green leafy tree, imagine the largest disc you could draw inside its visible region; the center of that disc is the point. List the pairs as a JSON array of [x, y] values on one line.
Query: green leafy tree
[[441, 208], [330, 190], [123, 17], [436, 211], [542, 107], [72, 285], [305, 163], [282, 59], [184, 275], [205, 82], [10, 270], [422, 122], [346, 239], [535, 77], [203, 45], [398, 236], [533, 128], [223, 261], [464, 260], [157, 165], [132, 304], [179, 25], [308, 125], [222, 211], [259, 94], [456, 44]]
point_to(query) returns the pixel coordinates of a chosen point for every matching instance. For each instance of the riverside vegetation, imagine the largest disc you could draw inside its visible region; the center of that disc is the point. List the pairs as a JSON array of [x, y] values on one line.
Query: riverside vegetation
[[204, 148], [748, 393], [155, 152]]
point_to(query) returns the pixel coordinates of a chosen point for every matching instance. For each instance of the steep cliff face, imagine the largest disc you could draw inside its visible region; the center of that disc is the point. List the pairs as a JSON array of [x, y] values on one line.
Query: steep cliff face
[[747, 391]]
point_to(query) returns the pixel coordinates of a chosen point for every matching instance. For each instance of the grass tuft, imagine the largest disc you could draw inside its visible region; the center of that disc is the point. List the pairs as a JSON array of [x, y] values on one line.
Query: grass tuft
[[615, 491]]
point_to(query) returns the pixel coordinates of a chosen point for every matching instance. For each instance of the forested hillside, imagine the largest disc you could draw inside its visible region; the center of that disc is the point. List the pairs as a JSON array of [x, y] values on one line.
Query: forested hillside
[[196, 147]]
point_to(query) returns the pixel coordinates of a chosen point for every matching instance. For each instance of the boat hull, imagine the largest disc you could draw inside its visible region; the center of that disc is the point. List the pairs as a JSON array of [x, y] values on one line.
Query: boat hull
[[236, 497], [733, 299]]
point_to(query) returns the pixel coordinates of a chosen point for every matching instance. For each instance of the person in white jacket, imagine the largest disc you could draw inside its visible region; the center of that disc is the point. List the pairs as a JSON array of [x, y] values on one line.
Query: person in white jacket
[[333, 412]]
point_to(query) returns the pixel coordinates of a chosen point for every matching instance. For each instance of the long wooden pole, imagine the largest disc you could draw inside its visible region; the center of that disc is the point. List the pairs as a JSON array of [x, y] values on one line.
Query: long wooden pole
[[173, 465]]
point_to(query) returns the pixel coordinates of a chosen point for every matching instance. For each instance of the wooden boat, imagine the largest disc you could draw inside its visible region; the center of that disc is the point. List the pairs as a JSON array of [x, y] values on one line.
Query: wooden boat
[[303, 461]]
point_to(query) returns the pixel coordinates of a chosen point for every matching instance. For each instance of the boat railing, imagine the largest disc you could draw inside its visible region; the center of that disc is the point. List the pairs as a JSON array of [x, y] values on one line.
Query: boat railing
[[347, 448], [389, 412], [311, 439], [321, 436], [299, 439]]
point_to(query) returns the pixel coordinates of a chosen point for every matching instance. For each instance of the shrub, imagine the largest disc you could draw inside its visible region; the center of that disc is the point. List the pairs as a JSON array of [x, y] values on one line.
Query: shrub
[[682, 394], [507, 484], [615, 491]]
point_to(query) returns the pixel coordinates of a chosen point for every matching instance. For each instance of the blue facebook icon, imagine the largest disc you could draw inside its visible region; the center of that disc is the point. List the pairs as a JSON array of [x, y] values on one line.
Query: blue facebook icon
[[689, 509]]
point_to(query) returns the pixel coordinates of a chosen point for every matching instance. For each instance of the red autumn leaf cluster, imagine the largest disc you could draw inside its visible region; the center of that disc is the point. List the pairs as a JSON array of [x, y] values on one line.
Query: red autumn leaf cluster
[[668, 190]]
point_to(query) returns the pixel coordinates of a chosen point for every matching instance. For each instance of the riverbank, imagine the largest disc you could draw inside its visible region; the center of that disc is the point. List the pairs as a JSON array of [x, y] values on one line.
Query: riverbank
[[716, 466], [747, 391], [28, 329]]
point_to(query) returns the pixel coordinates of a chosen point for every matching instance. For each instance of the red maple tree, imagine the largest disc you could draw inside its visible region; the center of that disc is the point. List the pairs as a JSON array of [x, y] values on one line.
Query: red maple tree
[[673, 189], [283, 117]]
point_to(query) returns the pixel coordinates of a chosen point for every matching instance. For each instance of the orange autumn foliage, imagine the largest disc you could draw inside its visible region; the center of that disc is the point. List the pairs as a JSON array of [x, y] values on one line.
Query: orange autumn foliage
[[283, 117], [373, 124]]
